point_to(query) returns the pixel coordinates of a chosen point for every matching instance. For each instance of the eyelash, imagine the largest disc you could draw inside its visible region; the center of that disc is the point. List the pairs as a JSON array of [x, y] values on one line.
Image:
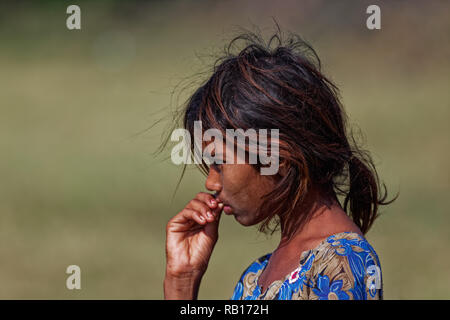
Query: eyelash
[[216, 166]]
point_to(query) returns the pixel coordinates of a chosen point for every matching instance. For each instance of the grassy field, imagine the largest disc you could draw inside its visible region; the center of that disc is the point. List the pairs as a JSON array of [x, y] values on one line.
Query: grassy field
[[79, 183]]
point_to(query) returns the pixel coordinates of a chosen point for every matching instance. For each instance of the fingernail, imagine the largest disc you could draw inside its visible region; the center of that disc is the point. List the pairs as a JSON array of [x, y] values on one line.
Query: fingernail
[[221, 205], [213, 202], [201, 218], [209, 214]]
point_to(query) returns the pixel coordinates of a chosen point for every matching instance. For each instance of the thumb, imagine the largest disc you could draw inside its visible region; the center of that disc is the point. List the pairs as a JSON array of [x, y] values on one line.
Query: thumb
[[218, 212], [211, 229]]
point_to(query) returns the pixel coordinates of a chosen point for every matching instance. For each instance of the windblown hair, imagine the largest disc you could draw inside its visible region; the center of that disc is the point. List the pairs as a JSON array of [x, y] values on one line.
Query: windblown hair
[[281, 86]]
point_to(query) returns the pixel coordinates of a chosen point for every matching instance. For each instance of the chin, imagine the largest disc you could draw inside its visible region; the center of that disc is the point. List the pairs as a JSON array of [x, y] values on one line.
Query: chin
[[244, 220]]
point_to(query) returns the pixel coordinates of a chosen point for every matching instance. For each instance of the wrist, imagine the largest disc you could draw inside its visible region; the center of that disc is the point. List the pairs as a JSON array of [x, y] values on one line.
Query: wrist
[[183, 274], [182, 285]]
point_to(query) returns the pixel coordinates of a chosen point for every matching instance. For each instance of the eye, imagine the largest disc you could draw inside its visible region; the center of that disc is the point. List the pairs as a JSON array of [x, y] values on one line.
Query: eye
[[216, 167]]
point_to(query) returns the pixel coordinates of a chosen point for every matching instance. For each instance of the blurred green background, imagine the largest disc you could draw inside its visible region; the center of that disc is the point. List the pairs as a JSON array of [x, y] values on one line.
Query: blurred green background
[[79, 183]]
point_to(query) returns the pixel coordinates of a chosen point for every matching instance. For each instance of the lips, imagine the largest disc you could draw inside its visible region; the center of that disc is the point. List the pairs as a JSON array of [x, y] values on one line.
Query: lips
[[226, 208]]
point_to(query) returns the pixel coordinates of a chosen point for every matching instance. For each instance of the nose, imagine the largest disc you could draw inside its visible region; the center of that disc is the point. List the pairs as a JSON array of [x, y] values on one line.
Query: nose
[[213, 181]]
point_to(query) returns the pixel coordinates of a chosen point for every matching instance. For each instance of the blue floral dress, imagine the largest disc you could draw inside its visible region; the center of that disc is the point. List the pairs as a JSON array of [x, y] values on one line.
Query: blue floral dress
[[343, 266]]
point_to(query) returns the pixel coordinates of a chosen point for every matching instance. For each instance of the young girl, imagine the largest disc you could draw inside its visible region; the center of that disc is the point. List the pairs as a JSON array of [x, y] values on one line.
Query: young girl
[[323, 253]]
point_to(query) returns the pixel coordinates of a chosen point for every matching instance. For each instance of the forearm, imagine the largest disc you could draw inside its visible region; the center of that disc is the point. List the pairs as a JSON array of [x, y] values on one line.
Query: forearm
[[184, 287]]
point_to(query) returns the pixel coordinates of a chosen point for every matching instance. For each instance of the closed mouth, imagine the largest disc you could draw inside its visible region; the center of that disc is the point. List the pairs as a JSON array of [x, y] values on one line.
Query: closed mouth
[[226, 207]]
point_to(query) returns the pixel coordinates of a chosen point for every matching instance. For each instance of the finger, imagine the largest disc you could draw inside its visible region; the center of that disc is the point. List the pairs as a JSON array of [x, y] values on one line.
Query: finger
[[212, 200], [187, 216], [219, 208], [207, 198], [217, 212], [201, 207], [212, 229], [197, 216]]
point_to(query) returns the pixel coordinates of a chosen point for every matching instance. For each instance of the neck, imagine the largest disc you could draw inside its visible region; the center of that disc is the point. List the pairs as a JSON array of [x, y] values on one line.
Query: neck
[[317, 206]]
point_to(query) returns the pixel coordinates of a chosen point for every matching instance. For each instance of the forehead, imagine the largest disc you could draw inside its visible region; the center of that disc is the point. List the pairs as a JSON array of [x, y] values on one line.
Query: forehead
[[216, 146]]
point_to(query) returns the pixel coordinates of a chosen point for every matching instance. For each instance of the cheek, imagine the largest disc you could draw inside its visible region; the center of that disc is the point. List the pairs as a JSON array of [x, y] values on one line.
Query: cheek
[[244, 188], [234, 179], [259, 188]]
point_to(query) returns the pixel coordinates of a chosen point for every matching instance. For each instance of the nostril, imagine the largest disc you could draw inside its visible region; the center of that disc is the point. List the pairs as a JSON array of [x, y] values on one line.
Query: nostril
[[213, 185]]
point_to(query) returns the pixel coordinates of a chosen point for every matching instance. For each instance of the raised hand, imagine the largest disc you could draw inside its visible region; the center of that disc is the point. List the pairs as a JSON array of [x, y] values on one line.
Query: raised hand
[[190, 239]]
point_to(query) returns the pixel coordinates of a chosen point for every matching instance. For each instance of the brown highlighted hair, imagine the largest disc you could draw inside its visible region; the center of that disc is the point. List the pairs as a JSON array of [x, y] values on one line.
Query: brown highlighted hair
[[279, 84]]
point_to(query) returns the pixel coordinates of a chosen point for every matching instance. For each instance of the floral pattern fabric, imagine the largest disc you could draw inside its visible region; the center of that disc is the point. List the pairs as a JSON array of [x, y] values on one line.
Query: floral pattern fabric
[[344, 266]]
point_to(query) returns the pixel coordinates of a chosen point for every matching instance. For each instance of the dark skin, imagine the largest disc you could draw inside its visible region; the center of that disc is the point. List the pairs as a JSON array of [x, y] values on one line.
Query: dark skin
[[237, 189], [328, 218]]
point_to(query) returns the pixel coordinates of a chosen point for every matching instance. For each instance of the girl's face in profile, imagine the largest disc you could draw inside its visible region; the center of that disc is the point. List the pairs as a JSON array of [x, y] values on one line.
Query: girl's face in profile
[[240, 187]]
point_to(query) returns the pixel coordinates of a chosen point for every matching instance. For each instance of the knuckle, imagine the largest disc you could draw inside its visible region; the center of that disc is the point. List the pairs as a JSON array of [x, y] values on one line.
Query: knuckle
[[199, 204], [193, 202], [202, 194], [168, 225]]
